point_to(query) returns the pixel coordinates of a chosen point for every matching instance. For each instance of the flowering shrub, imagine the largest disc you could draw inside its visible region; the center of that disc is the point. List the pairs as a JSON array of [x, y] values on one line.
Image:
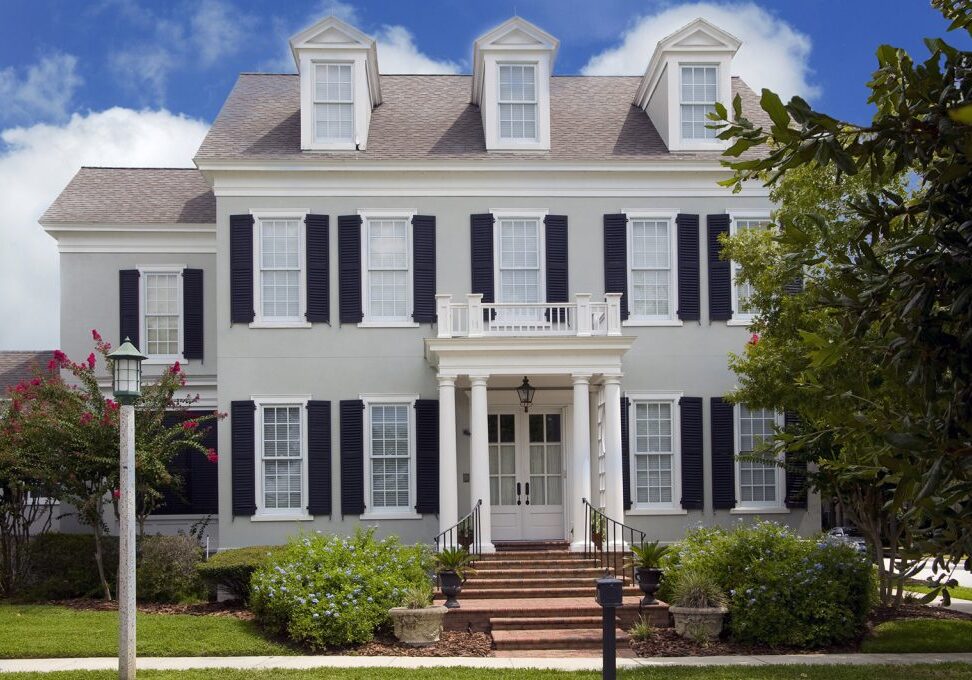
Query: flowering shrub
[[167, 569], [783, 590], [326, 591]]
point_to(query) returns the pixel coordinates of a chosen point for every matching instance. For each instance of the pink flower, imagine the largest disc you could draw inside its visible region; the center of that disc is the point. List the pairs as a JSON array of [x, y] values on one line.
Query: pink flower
[[754, 340], [211, 455], [175, 368], [86, 417], [111, 404], [35, 382], [52, 365], [60, 357], [91, 361], [95, 335], [116, 494], [190, 425]]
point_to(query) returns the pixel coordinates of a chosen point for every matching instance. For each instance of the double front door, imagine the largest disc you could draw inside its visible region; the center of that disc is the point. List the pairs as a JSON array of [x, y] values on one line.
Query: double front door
[[526, 475]]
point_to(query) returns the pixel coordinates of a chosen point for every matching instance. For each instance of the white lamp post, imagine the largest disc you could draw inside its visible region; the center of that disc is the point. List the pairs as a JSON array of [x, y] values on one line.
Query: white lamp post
[[127, 386]]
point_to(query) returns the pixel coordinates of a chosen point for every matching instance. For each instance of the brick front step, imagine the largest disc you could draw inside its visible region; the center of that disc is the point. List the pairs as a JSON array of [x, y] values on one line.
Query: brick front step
[[544, 585], [530, 555], [521, 546], [557, 638], [537, 574], [476, 614], [544, 622], [471, 593], [535, 563]]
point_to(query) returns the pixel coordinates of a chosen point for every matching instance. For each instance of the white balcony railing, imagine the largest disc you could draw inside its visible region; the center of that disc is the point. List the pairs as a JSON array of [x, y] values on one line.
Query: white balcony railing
[[581, 318]]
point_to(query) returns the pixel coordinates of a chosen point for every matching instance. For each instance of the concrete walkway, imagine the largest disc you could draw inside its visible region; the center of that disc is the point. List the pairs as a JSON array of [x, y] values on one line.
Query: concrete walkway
[[570, 664]]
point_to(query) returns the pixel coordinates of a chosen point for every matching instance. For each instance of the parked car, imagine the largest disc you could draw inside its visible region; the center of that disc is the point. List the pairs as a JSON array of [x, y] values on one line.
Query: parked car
[[850, 536]]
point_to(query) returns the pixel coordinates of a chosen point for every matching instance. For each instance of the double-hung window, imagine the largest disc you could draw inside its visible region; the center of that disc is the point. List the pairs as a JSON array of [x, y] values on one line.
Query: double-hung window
[[281, 456], [333, 103], [699, 92], [162, 316], [652, 277], [759, 483], [387, 281], [520, 260], [742, 291], [279, 257], [654, 445], [390, 482], [518, 102]]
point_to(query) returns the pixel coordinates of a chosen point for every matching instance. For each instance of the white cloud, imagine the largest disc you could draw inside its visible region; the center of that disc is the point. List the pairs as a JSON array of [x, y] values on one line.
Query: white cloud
[[773, 55], [43, 93], [36, 164], [217, 30], [397, 53]]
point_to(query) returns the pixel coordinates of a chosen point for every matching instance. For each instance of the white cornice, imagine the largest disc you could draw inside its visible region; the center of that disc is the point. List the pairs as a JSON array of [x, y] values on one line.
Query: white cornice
[[133, 238], [518, 164]]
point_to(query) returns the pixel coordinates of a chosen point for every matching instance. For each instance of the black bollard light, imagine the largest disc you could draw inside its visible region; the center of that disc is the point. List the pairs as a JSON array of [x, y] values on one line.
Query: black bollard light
[[610, 595]]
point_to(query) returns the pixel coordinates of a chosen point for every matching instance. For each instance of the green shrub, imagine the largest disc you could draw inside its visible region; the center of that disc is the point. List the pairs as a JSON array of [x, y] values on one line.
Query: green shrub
[[782, 590], [233, 569], [167, 569], [63, 566], [329, 591], [697, 590]]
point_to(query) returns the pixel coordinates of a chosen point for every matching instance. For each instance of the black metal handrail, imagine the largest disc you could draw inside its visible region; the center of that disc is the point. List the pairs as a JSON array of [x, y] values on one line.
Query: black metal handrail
[[466, 533], [608, 541]]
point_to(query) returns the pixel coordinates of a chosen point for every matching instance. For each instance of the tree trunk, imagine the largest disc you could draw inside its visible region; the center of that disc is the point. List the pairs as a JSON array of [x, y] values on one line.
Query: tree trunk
[[99, 560]]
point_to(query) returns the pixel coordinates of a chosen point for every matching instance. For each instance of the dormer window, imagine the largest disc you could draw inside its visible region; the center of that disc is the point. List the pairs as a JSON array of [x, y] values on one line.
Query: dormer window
[[333, 103], [699, 94], [518, 102]]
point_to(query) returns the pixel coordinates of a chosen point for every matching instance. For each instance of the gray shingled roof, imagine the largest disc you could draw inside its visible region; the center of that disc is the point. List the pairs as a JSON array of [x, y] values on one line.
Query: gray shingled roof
[[429, 117], [134, 196], [18, 366]]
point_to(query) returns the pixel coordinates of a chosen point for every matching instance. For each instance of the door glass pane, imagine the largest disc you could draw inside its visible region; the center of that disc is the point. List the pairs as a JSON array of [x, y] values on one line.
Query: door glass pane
[[536, 428], [554, 491], [553, 458], [553, 427], [536, 460], [509, 492], [507, 427], [537, 495], [502, 458], [508, 460]]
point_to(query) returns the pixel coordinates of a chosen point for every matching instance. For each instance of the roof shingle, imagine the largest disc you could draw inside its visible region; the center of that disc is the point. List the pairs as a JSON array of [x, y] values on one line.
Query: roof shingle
[[18, 366]]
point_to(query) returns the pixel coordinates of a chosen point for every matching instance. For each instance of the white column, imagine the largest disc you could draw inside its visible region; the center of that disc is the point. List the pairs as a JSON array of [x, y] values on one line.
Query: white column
[[580, 469], [448, 469], [613, 477], [479, 457], [595, 499], [126, 546]]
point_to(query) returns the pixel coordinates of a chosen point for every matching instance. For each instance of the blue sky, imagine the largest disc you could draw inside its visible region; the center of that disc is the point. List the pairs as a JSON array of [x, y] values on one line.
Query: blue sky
[[137, 82]]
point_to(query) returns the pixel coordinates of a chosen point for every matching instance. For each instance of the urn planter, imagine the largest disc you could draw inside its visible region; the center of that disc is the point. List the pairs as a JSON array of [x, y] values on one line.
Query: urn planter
[[451, 585], [649, 580], [417, 627], [696, 621]]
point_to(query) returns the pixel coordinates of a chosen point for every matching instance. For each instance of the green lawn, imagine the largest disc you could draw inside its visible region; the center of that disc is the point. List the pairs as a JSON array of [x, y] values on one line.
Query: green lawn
[[920, 635], [959, 592], [912, 672], [37, 631]]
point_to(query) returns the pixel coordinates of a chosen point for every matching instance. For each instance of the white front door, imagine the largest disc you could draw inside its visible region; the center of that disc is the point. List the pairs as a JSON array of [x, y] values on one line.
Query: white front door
[[526, 475]]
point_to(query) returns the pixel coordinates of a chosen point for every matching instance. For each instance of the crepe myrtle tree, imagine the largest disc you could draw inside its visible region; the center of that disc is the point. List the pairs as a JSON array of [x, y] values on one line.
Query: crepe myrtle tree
[[65, 434], [875, 352]]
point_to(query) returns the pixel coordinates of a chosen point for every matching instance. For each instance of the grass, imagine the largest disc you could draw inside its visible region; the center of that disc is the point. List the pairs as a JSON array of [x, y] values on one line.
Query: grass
[[952, 671], [920, 635], [958, 592], [40, 631]]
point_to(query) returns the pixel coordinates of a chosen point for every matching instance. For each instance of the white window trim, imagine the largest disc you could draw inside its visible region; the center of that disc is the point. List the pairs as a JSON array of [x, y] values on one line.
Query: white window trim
[[540, 216], [264, 514], [675, 507], [300, 321], [738, 318], [519, 141], [767, 507], [385, 514], [367, 321], [672, 319], [330, 144], [696, 143], [143, 271]]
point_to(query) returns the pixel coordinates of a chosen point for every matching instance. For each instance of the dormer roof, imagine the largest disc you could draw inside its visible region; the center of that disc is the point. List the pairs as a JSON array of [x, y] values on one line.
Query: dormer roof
[[331, 34], [513, 35]]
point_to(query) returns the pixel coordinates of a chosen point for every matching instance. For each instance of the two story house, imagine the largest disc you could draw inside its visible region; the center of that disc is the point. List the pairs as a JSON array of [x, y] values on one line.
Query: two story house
[[363, 269]]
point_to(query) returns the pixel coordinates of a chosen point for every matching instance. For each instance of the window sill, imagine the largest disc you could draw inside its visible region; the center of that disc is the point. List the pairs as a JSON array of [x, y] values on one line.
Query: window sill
[[389, 515], [270, 517], [635, 511], [653, 322], [163, 361], [757, 510], [280, 324], [739, 322], [388, 324]]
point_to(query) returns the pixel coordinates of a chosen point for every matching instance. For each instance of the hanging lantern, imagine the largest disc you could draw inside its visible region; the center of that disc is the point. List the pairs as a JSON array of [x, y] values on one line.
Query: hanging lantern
[[525, 392]]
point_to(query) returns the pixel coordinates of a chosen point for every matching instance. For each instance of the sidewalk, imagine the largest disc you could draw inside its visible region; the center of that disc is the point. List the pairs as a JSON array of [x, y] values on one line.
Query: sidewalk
[[964, 606], [575, 664]]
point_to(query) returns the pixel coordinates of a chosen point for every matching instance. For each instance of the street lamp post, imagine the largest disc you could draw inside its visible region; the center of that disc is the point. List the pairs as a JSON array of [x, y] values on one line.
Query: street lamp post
[[127, 386]]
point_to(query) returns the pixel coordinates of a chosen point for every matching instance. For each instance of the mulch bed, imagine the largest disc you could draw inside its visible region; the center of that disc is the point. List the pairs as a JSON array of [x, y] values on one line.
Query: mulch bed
[[451, 643], [231, 608]]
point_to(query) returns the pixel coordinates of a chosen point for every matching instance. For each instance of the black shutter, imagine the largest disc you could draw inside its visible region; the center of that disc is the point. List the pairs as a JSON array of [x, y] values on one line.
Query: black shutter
[[176, 497], [427, 455], [481, 238], [128, 321], [241, 268], [690, 415], [349, 268], [625, 456], [616, 259], [242, 434], [203, 473], [723, 455], [352, 457], [796, 468], [318, 268], [192, 313], [689, 307], [319, 457], [423, 263], [795, 286], [556, 260], [720, 281]]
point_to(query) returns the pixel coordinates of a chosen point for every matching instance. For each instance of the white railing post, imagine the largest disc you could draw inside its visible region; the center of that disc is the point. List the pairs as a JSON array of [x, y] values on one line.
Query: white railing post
[[583, 315], [613, 313], [443, 314], [475, 303]]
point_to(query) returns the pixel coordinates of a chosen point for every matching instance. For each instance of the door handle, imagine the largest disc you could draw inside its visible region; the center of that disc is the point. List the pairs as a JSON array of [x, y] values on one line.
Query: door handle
[[528, 493], [518, 493]]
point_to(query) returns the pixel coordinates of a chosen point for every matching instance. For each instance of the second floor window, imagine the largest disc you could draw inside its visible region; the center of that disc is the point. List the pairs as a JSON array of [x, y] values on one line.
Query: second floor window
[[163, 313], [651, 295], [518, 102], [279, 253], [333, 103], [699, 93], [387, 264], [519, 261]]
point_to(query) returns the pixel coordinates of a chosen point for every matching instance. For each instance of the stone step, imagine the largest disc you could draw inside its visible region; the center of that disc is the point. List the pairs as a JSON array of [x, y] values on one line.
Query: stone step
[[544, 622], [558, 638], [470, 593], [533, 563], [538, 574], [541, 584]]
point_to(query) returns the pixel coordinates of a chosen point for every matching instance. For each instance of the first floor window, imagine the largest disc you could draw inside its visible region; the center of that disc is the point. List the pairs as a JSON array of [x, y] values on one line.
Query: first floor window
[[698, 96], [654, 452], [387, 264], [743, 290], [651, 268], [390, 456], [282, 464], [280, 268], [758, 480], [163, 313]]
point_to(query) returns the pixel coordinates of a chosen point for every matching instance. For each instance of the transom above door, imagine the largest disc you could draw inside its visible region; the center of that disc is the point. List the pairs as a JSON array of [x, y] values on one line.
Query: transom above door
[[526, 475]]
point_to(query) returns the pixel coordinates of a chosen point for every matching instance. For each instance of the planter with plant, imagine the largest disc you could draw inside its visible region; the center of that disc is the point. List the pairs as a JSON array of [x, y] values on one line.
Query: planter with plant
[[465, 534], [597, 530], [452, 565], [698, 605], [646, 560], [417, 622]]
